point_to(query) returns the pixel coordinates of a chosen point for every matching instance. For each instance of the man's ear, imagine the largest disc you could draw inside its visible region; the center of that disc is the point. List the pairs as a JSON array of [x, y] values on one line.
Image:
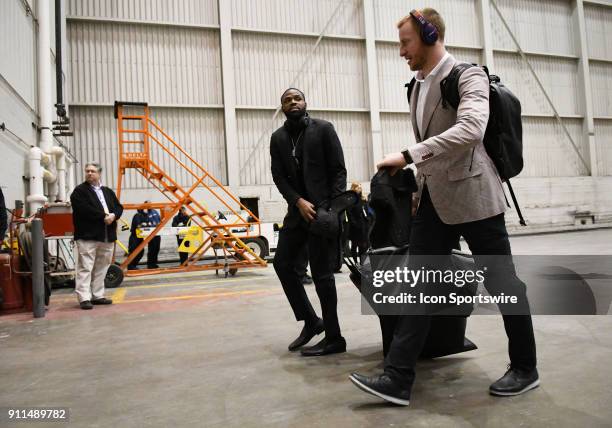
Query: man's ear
[[305, 105]]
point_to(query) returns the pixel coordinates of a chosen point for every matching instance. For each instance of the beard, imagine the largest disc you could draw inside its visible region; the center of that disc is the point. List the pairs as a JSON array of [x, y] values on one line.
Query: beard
[[295, 115]]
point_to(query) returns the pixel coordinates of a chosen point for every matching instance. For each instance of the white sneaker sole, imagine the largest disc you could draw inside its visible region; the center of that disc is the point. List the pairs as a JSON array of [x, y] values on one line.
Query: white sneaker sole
[[369, 390], [532, 385]]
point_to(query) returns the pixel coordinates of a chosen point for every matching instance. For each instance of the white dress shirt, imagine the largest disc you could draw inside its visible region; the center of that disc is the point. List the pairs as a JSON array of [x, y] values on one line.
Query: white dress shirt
[[424, 85], [100, 194]]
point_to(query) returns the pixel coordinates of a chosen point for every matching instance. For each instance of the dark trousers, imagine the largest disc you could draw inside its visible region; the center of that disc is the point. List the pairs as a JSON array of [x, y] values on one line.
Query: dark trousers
[[152, 250], [322, 254], [430, 236], [182, 255]]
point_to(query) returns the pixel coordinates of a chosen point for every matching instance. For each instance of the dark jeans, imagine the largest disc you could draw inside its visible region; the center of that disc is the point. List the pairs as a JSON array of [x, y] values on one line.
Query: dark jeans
[[288, 260], [429, 236], [152, 251]]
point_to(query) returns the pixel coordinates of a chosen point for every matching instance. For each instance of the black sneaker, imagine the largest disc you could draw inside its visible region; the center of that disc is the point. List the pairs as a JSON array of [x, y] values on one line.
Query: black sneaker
[[308, 332], [515, 382], [86, 304], [383, 387], [102, 301]]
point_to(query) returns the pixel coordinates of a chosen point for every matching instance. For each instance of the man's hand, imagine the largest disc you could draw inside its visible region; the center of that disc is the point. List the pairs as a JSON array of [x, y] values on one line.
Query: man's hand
[[306, 209], [109, 218], [393, 161]]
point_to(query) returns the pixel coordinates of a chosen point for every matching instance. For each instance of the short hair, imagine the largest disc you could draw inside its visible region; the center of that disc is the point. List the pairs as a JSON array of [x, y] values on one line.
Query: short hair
[[292, 89], [432, 16], [95, 165]]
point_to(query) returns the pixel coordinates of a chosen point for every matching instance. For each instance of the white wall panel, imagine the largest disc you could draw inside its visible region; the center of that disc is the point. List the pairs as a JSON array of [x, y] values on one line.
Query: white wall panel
[[546, 150], [307, 16], [538, 25], [601, 84], [265, 65], [394, 73], [460, 16], [559, 77], [599, 36], [203, 12], [255, 128], [396, 131], [139, 63], [603, 145], [197, 131], [17, 50]]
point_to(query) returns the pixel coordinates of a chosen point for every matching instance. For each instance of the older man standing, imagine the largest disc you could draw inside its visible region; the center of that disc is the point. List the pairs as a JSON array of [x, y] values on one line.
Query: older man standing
[[95, 211]]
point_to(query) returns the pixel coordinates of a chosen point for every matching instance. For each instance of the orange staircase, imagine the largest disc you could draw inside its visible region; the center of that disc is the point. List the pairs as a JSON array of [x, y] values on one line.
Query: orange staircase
[[140, 141]]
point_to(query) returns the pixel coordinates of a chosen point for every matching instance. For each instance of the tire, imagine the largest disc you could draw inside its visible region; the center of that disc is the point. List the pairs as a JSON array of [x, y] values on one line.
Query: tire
[[114, 276], [258, 246]]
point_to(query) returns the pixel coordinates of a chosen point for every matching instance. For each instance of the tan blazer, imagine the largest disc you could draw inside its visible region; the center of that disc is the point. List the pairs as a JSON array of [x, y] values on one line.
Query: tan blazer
[[450, 156]]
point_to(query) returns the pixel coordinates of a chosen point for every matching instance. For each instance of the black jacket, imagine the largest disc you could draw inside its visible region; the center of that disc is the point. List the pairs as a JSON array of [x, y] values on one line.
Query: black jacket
[[88, 213], [322, 164]]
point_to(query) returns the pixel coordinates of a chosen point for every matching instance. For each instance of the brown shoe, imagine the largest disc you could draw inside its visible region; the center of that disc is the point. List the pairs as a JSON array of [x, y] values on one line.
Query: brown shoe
[[102, 301]]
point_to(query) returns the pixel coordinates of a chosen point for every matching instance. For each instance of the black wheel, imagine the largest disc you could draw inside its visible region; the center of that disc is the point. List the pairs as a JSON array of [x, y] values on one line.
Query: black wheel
[[114, 276], [233, 271], [257, 245]]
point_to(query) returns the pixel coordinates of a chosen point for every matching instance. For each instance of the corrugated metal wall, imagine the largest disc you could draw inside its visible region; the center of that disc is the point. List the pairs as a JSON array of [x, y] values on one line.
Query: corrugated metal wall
[[559, 77], [178, 64], [299, 16], [198, 131], [396, 131], [599, 36], [547, 151], [539, 25], [161, 65], [603, 137], [18, 35], [202, 12], [265, 65], [601, 83]]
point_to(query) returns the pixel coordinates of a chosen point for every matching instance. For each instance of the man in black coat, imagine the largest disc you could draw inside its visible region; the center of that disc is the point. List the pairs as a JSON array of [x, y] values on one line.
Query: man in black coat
[[308, 169], [95, 211]]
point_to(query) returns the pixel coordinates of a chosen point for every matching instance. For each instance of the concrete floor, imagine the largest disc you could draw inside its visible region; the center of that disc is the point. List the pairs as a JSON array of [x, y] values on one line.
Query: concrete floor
[[197, 350]]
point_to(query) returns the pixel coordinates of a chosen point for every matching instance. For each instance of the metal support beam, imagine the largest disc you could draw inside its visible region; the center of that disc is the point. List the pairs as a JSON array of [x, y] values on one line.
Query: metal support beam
[[376, 150], [484, 10], [584, 76], [229, 94]]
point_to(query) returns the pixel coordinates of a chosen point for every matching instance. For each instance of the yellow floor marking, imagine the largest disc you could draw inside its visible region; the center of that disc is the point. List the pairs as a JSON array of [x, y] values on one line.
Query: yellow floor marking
[[119, 295], [178, 284], [197, 296]]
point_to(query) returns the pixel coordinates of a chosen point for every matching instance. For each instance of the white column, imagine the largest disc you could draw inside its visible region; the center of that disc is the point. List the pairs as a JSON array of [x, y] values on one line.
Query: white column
[[584, 77], [376, 151], [484, 10], [229, 94]]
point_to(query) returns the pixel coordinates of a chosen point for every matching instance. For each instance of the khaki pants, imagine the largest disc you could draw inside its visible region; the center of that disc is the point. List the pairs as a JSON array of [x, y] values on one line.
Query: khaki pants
[[93, 260]]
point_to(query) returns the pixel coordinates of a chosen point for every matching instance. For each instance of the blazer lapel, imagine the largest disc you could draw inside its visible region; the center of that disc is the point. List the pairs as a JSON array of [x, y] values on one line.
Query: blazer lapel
[[413, 105], [434, 96]]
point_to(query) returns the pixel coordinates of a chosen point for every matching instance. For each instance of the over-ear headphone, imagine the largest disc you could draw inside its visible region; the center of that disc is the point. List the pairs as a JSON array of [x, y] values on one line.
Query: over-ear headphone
[[429, 32]]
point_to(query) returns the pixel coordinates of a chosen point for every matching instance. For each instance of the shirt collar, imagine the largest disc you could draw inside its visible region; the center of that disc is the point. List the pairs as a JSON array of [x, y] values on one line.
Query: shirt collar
[[419, 75], [98, 187]]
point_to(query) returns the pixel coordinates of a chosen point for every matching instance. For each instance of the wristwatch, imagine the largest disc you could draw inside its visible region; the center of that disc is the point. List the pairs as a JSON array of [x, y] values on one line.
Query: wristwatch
[[407, 157]]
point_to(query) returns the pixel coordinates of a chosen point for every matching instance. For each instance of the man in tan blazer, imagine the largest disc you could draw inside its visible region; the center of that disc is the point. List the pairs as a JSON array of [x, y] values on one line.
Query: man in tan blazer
[[460, 194]]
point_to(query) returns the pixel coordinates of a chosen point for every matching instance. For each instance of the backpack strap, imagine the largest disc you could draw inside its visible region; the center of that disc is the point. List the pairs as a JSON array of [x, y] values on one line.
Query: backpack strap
[[410, 87], [449, 86]]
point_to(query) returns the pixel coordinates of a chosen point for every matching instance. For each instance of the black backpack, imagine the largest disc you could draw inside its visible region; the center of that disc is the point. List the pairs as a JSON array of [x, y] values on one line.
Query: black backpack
[[503, 138]]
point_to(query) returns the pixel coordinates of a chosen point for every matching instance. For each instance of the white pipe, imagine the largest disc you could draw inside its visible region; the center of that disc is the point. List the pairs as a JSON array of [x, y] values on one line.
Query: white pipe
[[70, 174], [36, 198], [60, 162], [45, 102]]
